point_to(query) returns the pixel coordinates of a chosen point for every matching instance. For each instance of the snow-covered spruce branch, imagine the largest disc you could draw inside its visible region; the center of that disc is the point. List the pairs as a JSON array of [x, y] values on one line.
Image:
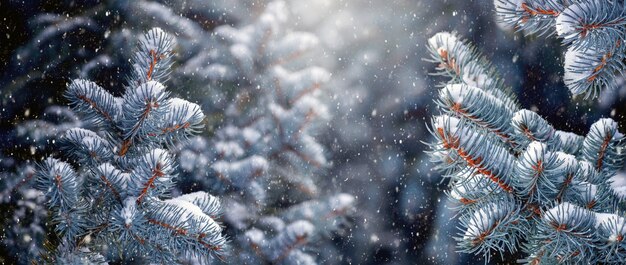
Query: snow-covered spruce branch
[[518, 183], [111, 196], [593, 30], [268, 137]]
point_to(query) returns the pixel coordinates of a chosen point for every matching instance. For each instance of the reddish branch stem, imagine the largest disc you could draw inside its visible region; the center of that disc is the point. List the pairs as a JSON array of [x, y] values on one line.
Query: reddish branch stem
[[95, 106], [471, 161], [483, 235], [459, 110], [28, 177], [538, 11], [172, 129], [156, 173], [602, 151], [110, 186], [182, 231]]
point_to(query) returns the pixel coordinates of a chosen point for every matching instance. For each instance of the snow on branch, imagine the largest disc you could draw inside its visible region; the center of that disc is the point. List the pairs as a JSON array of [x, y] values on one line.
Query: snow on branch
[[266, 154], [518, 183], [593, 30], [115, 190]]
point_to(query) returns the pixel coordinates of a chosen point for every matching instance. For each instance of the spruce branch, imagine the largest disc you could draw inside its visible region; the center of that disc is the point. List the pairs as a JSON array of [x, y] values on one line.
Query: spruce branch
[[114, 193], [593, 31], [517, 182]]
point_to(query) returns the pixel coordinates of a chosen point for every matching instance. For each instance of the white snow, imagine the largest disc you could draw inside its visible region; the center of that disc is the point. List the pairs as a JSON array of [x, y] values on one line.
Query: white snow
[[604, 218], [229, 149], [190, 208], [567, 163], [562, 212], [158, 157], [148, 90], [295, 83], [217, 71], [567, 137], [592, 189], [191, 110], [519, 116], [152, 37], [126, 178], [587, 191], [483, 220], [567, 141], [456, 92], [77, 134], [616, 223], [618, 185], [449, 124], [607, 124], [307, 104], [161, 155], [300, 228], [443, 41], [192, 211], [250, 135], [243, 54], [468, 182], [91, 143], [256, 236], [341, 201], [574, 58], [240, 172], [567, 22], [108, 169], [535, 152], [476, 75], [129, 210], [198, 195]]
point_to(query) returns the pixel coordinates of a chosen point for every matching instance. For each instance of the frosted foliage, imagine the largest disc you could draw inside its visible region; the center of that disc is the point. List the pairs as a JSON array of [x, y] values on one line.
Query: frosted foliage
[[508, 8], [567, 162], [566, 23], [449, 123], [229, 149], [341, 202], [181, 104], [574, 74], [481, 221], [313, 132], [151, 39], [147, 91], [477, 79], [111, 189], [562, 212], [129, 211], [456, 92], [193, 213], [593, 30], [618, 185], [519, 184], [443, 42], [266, 152]]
